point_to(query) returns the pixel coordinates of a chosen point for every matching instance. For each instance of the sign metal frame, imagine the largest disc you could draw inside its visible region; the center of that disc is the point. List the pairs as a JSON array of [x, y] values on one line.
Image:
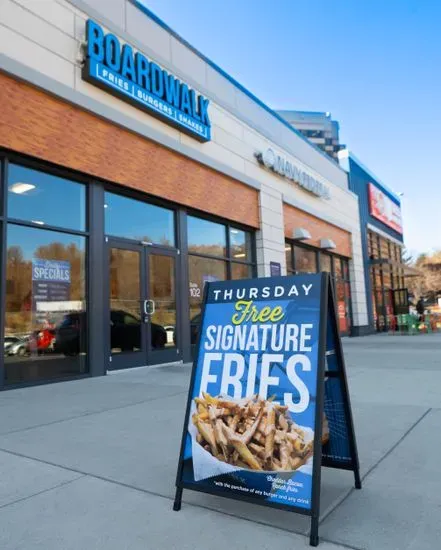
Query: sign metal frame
[[327, 308]]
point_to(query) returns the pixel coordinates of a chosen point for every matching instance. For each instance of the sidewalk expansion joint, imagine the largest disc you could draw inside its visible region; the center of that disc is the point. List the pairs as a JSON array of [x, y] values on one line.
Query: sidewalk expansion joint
[[372, 468], [48, 490], [83, 474], [91, 413]]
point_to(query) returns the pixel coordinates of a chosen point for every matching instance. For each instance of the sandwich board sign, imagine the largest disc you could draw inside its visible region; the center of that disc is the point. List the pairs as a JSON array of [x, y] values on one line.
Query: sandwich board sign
[[268, 403]]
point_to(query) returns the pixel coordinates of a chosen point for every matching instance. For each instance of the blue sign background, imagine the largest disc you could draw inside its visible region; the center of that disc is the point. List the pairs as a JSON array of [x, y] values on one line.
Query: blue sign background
[[301, 309], [121, 71]]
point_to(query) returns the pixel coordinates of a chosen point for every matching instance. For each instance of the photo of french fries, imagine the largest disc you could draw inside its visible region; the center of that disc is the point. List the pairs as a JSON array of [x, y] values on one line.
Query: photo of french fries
[[252, 433]]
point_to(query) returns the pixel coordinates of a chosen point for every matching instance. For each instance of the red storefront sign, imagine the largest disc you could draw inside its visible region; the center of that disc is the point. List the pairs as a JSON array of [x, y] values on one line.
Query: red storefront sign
[[384, 209]]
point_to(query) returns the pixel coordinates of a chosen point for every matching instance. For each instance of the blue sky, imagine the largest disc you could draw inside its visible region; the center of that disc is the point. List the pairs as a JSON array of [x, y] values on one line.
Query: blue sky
[[374, 64]]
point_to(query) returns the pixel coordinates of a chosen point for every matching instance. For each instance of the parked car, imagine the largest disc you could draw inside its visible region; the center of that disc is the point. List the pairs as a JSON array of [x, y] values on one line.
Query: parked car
[[125, 333]]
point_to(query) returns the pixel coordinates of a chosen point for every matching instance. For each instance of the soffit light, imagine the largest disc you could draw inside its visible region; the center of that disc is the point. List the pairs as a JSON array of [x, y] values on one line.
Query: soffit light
[[20, 188]]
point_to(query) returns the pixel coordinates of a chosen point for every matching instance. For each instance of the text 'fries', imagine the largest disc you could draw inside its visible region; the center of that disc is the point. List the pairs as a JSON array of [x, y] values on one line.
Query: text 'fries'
[[254, 433]]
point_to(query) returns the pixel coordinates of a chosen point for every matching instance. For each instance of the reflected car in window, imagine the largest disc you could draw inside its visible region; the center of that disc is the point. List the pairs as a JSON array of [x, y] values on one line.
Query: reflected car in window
[[195, 324], [125, 333], [41, 341], [8, 342], [20, 347]]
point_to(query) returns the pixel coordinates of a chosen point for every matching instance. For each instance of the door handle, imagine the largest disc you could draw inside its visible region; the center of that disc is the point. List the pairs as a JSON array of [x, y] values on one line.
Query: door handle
[[149, 307]]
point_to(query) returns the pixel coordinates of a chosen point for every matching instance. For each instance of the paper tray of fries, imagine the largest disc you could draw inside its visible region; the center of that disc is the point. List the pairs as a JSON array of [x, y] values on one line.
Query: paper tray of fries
[[248, 434]]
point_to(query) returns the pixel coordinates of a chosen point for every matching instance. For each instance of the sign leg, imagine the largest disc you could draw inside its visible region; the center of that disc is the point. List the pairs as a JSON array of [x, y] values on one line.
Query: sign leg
[[178, 499], [314, 537], [357, 478]]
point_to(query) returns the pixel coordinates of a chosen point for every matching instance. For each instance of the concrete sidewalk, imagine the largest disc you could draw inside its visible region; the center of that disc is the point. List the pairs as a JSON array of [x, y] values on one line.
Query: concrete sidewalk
[[91, 464]]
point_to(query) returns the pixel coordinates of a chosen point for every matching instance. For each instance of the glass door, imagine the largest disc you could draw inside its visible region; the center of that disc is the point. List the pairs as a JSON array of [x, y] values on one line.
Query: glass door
[[127, 336], [142, 311], [161, 306]]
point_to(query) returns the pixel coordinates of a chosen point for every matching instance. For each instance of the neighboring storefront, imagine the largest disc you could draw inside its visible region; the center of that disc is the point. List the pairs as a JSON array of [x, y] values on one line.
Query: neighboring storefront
[[133, 171], [382, 240], [313, 245]]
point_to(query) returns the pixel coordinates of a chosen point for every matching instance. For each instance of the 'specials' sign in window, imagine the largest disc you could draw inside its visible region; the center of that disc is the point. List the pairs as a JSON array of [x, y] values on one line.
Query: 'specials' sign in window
[[128, 74]]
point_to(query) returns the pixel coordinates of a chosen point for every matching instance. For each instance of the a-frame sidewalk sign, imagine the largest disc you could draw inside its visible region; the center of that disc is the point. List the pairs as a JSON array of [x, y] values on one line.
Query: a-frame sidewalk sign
[[268, 403]]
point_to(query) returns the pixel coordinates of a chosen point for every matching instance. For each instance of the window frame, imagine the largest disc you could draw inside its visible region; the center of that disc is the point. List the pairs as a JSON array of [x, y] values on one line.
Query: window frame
[[10, 157]]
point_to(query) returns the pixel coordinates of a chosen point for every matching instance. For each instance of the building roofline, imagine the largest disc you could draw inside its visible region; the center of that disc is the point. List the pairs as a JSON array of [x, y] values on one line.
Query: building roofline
[[232, 80], [318, 113], [346, 153]]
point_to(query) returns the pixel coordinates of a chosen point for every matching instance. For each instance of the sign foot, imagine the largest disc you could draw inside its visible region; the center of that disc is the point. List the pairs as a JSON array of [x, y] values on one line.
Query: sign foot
[[178, 500]]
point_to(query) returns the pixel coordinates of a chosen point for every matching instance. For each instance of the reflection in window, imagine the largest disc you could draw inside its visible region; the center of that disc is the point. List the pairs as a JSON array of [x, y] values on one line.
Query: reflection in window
[[45, 199], [163, 293], [325, 262], [201, 271], [45, 304], [305, 260], [240, 245], [288, 254], [205, 237], [338, 272], [125, 312], [138, 220], [241, 271]]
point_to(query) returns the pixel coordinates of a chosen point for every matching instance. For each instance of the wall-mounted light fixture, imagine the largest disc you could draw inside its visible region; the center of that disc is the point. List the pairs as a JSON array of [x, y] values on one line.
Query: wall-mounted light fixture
[[327, 244], [300, 234]]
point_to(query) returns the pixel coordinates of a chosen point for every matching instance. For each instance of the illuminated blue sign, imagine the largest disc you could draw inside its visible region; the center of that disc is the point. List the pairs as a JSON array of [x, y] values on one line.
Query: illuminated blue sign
[[131, 76]]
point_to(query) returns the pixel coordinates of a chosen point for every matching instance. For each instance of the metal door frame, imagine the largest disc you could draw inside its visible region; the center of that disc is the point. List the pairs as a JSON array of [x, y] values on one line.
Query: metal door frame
[[146, 356], [168, 355], [132, 359]]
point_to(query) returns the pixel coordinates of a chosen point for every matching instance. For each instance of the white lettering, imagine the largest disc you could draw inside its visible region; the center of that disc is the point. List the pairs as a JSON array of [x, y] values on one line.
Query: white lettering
[[298, 383]]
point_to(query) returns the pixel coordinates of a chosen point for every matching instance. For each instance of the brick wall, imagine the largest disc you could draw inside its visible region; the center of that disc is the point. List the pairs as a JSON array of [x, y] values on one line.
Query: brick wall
[[37, 124], [319, 229]]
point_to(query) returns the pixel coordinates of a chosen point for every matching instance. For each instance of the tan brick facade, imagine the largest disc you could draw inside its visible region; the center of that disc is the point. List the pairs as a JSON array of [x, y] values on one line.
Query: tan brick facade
[[319, 229], [37, 124]]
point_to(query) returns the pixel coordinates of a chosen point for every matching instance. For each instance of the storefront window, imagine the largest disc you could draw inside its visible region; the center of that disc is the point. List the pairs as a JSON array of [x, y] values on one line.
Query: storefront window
[[325, 263], [338, 271], [305, 260], [240, 245], [241, 271], [138, 220], [288, 254], [206, 240], [200, 271], [44, 199], [387, 282], [205, 237], [45, 313]]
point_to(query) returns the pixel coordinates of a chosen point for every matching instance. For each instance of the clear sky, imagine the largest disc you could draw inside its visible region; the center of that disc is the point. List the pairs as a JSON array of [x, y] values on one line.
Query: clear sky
[[374, 64]]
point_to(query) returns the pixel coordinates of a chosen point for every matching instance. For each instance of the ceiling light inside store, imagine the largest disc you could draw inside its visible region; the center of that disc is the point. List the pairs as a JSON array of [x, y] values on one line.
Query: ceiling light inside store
[[241, 255], [287, 247], [21, 188], [235, 231]]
